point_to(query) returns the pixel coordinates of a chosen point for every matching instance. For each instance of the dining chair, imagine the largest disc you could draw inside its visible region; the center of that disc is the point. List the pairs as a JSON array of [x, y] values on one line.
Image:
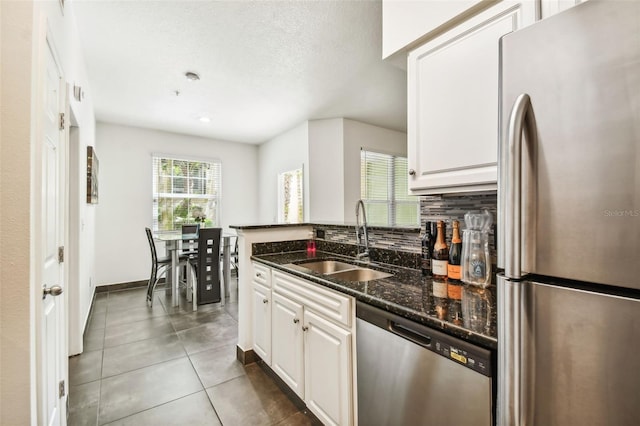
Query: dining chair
[[159, 267], [205, 267]]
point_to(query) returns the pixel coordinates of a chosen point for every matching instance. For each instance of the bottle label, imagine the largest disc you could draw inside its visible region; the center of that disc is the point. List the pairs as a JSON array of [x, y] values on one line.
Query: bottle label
[[453, 271], [454, 291], [477, 269], [439, 267], [440, 289]]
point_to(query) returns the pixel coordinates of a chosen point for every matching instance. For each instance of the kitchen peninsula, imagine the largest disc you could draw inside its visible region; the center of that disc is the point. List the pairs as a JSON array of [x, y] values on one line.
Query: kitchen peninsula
[[279, 295]]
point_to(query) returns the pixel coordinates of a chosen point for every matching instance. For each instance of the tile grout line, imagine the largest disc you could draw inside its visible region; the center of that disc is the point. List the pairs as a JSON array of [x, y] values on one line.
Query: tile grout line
[[222, 312], [151, 408], [195, 370]]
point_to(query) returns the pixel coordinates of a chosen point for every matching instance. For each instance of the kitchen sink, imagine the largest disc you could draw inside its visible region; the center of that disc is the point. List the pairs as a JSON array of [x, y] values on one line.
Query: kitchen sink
[[327, 266], [341, 270], [360, 274]]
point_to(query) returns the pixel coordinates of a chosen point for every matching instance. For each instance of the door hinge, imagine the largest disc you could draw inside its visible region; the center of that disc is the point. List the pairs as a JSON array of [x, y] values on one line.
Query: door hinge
[[61, 390], [60, 254], [62, 121]]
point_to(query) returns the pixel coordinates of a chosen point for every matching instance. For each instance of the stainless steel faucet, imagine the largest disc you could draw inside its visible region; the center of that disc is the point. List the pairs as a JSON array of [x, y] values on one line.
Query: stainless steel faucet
[[362, 230]]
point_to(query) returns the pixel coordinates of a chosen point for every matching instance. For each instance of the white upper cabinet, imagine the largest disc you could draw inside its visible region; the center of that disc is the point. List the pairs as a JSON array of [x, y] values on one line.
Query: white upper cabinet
[[453, 83], [405, 22], [551, 7]]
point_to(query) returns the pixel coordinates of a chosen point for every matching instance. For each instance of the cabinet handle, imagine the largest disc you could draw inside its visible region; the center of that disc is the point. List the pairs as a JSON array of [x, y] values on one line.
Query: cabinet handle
[[296, 320], [265, 300], [305, 328], [258, 274], [412, 172]]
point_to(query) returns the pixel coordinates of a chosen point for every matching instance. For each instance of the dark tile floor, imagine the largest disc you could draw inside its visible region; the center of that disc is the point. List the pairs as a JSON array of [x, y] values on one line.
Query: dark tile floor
[[169, 366]]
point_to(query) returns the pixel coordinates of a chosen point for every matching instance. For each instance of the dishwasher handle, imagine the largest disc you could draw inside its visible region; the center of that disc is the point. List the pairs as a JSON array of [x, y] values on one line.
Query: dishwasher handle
[[409, 333]]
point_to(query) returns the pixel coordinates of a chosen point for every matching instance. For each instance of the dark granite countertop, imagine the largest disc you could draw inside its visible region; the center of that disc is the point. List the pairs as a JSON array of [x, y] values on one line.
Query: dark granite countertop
[[327, 224], [408, 294]]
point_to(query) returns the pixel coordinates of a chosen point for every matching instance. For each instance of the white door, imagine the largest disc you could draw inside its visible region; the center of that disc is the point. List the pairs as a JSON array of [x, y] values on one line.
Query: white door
[[287, 342], [51, 336], [328, 370]]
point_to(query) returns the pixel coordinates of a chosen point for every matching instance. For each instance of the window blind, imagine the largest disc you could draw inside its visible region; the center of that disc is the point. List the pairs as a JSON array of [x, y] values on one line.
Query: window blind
[[383, 188], [185, 191]]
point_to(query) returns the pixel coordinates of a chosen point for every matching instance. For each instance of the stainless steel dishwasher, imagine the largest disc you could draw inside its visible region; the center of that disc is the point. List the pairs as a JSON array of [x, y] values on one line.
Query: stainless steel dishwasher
[[410, 374]]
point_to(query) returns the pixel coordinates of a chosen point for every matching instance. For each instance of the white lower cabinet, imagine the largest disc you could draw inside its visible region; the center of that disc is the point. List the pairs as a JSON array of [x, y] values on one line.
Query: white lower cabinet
[[262, 321], [312, 346], [288, 339], [328, 371]]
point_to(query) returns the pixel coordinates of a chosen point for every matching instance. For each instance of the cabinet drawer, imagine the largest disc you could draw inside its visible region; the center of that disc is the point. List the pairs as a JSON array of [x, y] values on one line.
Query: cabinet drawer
[[261, 274], [331, 304]]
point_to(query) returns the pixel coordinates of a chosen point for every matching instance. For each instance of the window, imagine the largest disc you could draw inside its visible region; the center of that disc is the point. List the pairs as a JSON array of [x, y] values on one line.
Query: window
[[290, 200], [185, 191], [383, 188]]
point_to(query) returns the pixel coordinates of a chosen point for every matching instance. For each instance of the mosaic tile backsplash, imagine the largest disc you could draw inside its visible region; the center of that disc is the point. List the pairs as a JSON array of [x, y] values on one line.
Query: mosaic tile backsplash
[[432, 208]]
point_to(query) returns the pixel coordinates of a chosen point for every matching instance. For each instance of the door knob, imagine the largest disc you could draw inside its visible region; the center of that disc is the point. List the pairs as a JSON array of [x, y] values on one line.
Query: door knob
[[305, 328], [412, 172], [296, 320], [265, 300], [54, 290]]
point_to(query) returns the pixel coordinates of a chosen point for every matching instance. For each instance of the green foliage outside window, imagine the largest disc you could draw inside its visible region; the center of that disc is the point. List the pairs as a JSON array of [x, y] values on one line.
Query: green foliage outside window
[[185, 192]]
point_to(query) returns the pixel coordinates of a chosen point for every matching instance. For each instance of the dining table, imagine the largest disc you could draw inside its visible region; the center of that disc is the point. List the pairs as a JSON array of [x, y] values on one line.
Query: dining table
[[173, 244]]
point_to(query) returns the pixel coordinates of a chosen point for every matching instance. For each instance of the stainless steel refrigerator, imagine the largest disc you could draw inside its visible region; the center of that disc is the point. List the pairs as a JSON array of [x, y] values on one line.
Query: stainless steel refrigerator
[[569, 219]]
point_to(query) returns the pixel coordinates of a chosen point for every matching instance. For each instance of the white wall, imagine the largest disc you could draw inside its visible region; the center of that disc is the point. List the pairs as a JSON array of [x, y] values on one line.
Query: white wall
[[330, 151], [16, 328], [326, 171], [23, 37], [125, 192], [285, 152], [356, 136]]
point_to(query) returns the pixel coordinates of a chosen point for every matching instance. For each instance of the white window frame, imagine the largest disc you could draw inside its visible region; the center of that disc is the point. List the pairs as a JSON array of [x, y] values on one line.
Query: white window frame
[[282, 197], [215, 199]]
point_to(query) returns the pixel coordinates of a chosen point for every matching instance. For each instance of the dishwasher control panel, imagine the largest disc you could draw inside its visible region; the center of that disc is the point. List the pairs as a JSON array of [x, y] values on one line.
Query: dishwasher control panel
[[463, 356]]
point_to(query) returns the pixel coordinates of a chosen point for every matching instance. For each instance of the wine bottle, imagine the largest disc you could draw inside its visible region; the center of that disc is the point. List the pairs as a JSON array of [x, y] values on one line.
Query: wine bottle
[[427, 242], [455, 254], [434, 231], [440, 256]]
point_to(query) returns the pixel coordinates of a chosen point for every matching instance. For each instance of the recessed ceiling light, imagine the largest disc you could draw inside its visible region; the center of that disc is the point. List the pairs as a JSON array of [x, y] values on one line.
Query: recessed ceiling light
[[204, 119], [192, 76]]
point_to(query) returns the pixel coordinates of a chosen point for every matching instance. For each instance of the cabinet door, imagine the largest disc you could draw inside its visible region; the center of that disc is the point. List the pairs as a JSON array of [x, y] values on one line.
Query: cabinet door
[[287, 338], [328, 370], [551, 7], [453, 103], [262, 322]]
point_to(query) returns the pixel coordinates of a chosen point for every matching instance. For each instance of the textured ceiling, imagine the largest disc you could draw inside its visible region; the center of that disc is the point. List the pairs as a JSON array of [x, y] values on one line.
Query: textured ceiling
[[265, 66]]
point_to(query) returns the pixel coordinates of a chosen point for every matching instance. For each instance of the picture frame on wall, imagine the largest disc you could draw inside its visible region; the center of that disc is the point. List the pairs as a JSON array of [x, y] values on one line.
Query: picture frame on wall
[[92, 176]]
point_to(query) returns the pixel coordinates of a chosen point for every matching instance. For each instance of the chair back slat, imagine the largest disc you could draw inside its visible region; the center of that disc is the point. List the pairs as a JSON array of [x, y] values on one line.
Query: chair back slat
[[190, 238]]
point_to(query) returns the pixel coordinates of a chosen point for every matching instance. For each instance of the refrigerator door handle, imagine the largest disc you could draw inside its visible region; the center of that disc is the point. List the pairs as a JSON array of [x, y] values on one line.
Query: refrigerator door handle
[[516, 365], [521, 120]]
